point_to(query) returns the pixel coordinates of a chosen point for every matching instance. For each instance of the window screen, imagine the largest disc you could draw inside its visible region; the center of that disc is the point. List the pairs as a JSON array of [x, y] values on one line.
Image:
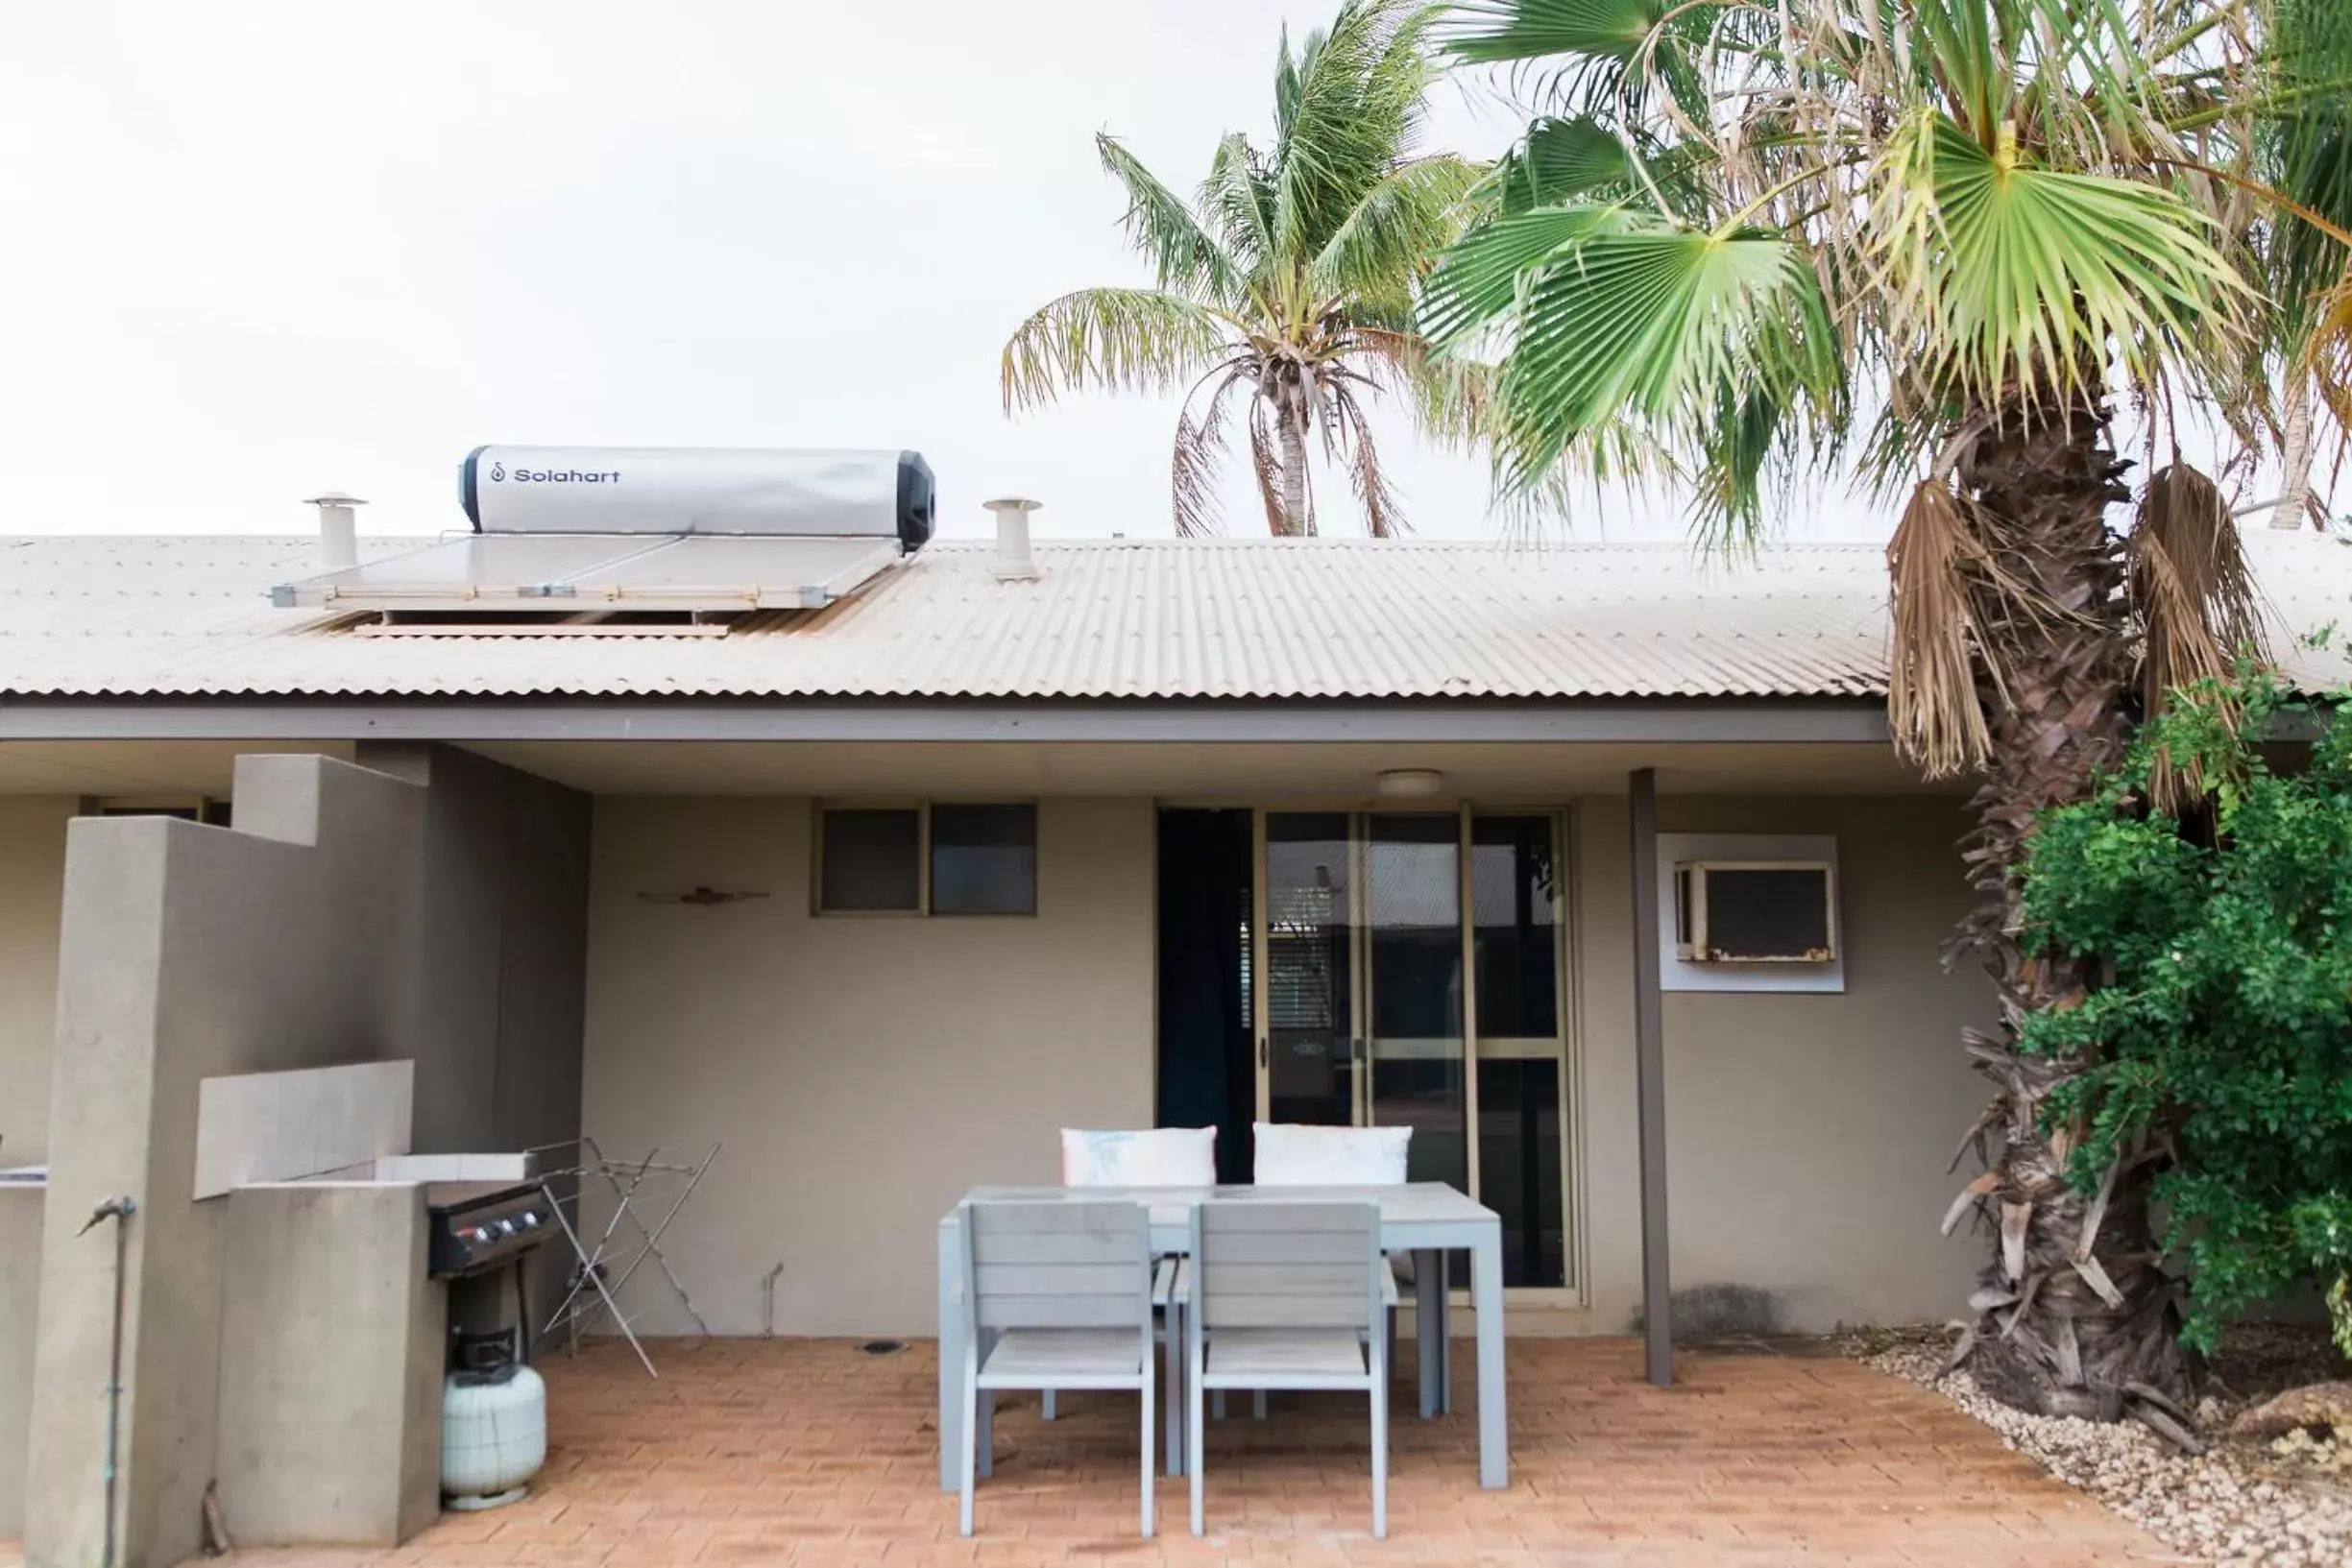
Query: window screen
[[983, 860], [872, 860]]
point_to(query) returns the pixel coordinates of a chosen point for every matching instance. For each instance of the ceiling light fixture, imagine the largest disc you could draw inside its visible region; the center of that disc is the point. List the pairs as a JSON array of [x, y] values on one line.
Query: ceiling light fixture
[[1409, 783]]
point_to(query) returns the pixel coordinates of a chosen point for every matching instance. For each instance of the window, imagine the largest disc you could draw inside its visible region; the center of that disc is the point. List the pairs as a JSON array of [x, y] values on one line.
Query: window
[[872, 861], [944, 859], [983, 860]]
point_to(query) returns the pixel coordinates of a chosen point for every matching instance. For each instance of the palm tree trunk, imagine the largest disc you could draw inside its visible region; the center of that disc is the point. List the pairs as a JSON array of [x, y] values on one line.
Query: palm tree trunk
[[1291, 420], [2295, 458], [2073, 1308]]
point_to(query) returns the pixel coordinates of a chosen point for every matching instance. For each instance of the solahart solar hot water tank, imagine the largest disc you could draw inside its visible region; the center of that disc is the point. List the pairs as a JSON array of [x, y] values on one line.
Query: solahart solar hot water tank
[[668, 490]]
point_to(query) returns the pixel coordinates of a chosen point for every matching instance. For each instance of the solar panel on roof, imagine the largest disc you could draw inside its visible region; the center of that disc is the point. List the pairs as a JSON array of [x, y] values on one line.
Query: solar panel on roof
[[569, 532], [562, 573]]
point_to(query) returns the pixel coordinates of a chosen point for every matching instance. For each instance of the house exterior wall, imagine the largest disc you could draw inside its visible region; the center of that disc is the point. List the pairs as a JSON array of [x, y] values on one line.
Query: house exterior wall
[[1806, 1135], [861, 1073], [32, 873], [32, 869], [317, 932]]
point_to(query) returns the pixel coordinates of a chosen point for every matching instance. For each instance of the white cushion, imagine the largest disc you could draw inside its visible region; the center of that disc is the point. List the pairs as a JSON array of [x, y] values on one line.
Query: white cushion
[[1291, 1156], [1161, 1157]]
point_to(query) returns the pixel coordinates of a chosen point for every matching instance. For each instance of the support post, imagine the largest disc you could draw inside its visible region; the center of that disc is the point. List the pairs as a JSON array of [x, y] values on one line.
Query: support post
[[1649, 1081]]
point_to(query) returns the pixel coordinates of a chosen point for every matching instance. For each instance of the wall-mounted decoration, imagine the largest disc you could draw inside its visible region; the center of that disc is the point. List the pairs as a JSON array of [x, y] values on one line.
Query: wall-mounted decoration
[[701, 897]]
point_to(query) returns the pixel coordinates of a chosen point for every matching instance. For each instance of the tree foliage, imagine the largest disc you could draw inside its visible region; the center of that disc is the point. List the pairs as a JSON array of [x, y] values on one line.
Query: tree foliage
[[1288, 284], [2221, 1044]]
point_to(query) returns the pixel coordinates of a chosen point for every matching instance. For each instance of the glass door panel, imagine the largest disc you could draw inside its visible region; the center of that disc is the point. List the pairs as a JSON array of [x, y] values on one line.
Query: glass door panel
[[1515, 902], [1412, 949], [1310, 969]]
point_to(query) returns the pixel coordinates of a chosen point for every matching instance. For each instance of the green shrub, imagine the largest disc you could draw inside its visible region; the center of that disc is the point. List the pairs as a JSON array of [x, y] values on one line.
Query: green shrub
[[2220, 1041]]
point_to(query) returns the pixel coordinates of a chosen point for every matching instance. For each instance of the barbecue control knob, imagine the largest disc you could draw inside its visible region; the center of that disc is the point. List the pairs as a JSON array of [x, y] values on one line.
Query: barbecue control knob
[[506, 1227]]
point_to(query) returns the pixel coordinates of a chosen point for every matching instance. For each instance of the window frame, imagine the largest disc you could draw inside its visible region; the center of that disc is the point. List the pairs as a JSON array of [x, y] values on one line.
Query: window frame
[[921, 806]]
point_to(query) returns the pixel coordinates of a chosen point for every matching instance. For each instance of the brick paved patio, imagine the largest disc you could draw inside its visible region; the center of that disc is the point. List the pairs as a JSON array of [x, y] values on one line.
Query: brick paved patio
[[809, 1453]]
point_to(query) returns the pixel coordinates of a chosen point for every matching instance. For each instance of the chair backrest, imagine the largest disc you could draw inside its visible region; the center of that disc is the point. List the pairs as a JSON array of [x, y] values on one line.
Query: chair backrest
[[1057, 1266], [1289, 1154], [1151, 1157], [1282, 1264]]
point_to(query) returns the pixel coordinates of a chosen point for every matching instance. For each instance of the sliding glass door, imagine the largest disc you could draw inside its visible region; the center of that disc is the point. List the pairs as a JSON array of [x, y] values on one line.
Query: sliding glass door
[[1371, 924]]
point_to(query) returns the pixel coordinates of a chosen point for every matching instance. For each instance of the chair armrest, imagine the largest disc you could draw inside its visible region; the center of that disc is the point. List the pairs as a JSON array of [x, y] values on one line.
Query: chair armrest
[[1388, 1286]]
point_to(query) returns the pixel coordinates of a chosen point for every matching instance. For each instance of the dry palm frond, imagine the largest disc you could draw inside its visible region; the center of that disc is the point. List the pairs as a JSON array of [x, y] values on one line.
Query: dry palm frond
[[1373, 493], [2327, 355], [1266, 466], [1931, 698], [1198, 461], [2193, 594]]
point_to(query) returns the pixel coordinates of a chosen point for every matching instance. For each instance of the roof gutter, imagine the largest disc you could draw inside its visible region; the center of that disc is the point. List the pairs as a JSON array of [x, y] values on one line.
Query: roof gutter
[[1761, 721]]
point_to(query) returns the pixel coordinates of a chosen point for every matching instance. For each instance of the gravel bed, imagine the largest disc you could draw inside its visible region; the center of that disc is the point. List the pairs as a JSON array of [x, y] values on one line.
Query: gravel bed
[[2282, 1504]]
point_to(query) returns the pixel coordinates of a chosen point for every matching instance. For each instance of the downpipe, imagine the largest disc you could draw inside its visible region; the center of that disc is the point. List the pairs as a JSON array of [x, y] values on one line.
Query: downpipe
[[119, 1210]]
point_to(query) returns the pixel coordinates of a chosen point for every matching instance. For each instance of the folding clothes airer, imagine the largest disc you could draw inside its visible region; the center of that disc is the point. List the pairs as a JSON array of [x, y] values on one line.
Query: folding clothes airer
[[593, 1289]]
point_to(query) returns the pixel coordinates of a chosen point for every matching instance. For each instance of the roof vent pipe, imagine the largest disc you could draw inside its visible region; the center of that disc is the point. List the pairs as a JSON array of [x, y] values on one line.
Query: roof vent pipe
[[338, 529], [1014, 562]]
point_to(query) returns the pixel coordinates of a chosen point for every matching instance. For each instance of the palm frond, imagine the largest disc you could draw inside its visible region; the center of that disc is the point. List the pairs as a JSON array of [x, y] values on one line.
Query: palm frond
[[1406, 220], [1185, 257], [1239, 199], [1383, 514], [1266, 466], [1115, 340], [1643, 329], [1590, 45], [1354, 108], [1483, 280], [2004, 275], [2190, 585], [1563, 160], [1197, 463], [1932, 703]]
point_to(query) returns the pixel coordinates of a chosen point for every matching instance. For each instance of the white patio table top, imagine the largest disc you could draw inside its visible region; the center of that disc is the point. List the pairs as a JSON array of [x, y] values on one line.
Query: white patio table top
[[1422, 1217]]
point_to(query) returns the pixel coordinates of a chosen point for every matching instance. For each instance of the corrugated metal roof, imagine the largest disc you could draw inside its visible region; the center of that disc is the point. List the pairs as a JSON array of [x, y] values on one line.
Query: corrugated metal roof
[[1255, 618]]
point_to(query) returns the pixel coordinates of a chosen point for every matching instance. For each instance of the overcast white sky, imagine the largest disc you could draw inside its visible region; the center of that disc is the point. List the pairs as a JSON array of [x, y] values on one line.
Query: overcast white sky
[[260, 250]]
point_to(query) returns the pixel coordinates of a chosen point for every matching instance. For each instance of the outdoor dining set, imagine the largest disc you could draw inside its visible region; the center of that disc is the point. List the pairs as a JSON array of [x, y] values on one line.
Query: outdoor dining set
[[1291, 1282]]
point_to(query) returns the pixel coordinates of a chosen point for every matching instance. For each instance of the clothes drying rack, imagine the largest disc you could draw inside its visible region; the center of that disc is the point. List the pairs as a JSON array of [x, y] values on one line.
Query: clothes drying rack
[[602, 1270]]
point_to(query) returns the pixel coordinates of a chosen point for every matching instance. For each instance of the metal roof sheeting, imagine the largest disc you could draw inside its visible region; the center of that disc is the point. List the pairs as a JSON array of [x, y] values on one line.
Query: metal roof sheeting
[[91, 617]]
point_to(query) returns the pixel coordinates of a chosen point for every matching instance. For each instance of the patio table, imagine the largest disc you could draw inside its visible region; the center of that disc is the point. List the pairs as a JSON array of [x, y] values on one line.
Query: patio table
[[1427, 1218]]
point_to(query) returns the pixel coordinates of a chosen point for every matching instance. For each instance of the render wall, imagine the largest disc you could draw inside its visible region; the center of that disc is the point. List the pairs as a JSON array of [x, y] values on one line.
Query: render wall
[[495, 990], [21, 1267], [861, 1073], [1806, 1135], [321, 930], [32, 869], [190, 952]]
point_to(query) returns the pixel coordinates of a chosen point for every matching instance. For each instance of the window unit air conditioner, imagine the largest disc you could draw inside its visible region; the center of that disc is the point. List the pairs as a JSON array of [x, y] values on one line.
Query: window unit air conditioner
[[1754, 912]]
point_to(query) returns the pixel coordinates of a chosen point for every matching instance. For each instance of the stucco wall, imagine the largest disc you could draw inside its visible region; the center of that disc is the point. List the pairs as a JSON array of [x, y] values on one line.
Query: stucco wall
[[32, 869], [861, 1073], [319, 930], [1806, 1135], [190, 952]]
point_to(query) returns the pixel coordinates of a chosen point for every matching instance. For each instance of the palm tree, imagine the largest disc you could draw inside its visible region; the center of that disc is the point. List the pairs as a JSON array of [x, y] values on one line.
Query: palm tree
[[1290, 278], [1760, 242]]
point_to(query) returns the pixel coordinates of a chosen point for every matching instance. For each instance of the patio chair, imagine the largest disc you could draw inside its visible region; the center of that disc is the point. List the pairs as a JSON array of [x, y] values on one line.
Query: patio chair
[[1057, 1295], [1287, 1296], [1144, 1157], [1294, 1155]]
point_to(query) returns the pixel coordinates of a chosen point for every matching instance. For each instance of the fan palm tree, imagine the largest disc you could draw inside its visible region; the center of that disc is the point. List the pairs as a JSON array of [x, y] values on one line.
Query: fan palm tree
[[1289, 280], [1757, 243]]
